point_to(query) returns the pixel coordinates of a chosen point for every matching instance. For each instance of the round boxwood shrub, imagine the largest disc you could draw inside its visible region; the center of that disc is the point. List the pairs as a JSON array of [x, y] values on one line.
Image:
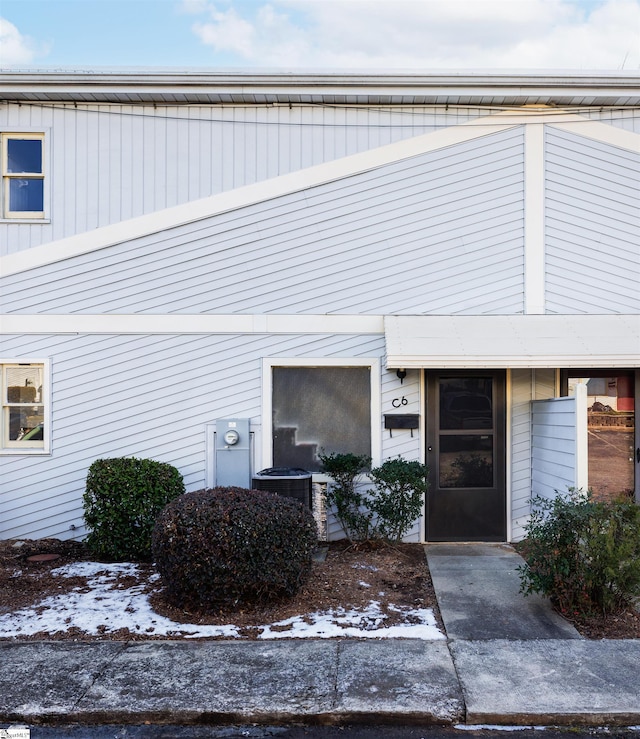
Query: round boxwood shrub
[[123, 496], [222, 546]]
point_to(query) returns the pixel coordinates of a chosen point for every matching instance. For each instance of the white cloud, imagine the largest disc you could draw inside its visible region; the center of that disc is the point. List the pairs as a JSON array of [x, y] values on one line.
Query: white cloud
[[423, 34], [16, 48]]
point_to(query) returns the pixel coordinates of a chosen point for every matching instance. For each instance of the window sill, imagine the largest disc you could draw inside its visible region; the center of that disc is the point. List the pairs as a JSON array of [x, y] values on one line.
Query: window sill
[[30, 221], [25, 453]]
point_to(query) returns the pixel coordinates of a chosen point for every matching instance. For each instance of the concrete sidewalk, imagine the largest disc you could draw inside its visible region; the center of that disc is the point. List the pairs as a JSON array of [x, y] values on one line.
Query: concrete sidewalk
[[500, 679]]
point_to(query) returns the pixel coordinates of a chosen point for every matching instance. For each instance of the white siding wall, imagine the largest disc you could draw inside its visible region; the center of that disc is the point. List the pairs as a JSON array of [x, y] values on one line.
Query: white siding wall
[[139, 396], [438, 233], [558, 439], [592, 223], [526, 385], [107, 163]]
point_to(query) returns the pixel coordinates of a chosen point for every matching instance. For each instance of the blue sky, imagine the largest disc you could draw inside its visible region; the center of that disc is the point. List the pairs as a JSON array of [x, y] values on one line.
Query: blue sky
[[289, 35]]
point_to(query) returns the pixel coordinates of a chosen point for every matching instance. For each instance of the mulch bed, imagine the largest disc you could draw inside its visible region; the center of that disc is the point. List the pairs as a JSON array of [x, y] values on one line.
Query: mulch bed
[[349, 577]]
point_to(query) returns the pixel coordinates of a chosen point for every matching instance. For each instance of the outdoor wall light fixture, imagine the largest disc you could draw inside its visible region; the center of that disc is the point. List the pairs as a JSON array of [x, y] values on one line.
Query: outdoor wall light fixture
[[401, 373]]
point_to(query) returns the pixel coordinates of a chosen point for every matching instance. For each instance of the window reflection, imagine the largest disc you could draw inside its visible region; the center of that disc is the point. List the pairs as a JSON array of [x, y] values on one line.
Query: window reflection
[[466, 461], [466, 403]]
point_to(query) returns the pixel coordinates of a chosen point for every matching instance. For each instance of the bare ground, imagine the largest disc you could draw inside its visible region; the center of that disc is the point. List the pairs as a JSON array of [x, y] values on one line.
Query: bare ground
[[395, 575]]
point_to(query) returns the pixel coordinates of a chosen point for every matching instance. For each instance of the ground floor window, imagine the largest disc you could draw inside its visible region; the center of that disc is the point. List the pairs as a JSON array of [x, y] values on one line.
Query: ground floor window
[[24, 408], [320, 409]]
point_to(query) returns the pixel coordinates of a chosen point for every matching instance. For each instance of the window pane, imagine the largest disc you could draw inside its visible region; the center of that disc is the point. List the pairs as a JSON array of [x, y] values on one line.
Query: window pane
[[320, 409], [26, 423], [26, 195], [24, 384], [24, 155], [466, 461], [466, 403]]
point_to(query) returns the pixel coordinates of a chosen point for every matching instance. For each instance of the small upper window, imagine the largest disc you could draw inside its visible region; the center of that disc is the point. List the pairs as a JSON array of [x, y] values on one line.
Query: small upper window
[[23, 406], [23, 175]]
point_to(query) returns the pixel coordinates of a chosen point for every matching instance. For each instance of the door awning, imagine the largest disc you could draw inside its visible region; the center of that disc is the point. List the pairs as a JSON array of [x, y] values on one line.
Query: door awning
[[494, 342]]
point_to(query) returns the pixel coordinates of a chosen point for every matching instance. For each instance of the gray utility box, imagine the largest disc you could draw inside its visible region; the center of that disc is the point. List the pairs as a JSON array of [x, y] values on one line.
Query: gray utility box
[[290, 482], [233, 452]]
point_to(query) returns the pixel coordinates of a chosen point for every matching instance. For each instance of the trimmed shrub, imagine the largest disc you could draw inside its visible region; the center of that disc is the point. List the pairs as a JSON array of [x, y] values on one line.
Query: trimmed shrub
[[224, 546], [583, 554], [343, 495], [123, 496], [398, 496]]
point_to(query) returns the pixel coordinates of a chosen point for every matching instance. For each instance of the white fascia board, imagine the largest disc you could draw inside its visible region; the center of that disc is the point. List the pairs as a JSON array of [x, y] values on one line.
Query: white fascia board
[[611, 135], [224, 202], [498, 341], [178, 323]]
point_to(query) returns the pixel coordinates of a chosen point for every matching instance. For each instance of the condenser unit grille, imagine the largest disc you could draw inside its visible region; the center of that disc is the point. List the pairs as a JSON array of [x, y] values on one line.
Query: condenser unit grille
[[296, 487]]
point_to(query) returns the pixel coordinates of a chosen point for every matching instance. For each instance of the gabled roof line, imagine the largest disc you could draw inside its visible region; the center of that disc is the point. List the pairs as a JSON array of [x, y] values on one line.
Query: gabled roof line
[[282, 185]]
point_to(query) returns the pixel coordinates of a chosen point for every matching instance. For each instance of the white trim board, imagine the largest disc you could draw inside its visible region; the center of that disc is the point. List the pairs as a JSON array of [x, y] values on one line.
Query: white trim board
[[180, 323], [494, 341]]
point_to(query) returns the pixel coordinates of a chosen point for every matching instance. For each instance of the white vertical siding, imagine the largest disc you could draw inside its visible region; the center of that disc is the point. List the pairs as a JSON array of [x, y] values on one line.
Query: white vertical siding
[[112, 162]]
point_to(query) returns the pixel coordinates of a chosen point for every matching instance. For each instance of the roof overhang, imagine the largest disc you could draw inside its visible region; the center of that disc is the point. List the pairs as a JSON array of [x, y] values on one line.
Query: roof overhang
[[529, 341], [259, 87]]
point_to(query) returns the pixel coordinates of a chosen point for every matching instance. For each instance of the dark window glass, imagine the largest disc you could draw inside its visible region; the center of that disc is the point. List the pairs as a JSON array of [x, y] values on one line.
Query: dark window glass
[[26, 195], [320, 409], [24, 155], [466, 403], [466, 461]]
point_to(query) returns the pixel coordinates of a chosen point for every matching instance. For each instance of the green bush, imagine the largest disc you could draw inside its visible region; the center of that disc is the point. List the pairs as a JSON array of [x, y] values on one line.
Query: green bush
[[385, 512], [219, 547], [583, 554], [398, 496], [344, 496], [123, 496]]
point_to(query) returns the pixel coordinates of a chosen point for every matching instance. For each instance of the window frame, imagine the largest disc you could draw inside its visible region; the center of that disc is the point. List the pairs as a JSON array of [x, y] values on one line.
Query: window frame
[[268, 363], [16, 447], [7, 177]]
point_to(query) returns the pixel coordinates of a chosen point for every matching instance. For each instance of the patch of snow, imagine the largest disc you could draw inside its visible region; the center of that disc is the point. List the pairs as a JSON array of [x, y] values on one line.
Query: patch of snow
[[102, 607], [364, 584], [365, 624]]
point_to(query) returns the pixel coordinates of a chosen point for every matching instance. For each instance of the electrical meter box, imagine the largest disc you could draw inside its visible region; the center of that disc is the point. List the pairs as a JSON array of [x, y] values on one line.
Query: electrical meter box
[[233, 452]]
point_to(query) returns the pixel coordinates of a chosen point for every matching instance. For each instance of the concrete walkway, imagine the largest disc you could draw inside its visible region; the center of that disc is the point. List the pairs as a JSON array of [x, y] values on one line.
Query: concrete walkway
[[478, 591], [481, 674]]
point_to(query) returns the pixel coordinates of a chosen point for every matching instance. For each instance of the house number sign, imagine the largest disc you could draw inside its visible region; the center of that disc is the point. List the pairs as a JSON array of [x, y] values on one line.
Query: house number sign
[[397, 402]]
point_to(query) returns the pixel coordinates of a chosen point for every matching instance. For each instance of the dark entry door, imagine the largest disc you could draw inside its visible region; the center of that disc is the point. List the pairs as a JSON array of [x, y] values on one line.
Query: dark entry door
[[465, 452]]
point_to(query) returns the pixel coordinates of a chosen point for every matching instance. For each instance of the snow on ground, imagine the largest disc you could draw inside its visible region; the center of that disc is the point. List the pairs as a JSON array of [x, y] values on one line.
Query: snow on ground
[[102, 608]]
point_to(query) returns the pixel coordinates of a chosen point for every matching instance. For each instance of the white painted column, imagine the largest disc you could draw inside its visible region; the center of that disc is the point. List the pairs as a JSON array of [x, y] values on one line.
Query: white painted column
[[534, 252]]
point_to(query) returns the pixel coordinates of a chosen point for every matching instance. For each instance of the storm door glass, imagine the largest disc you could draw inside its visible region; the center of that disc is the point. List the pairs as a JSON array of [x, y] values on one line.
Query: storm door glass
[[466, 432]]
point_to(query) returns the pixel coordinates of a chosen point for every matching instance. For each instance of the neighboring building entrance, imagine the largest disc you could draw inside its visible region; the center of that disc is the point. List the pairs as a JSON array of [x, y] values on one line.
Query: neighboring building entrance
[[465, 417], [613, 445]]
